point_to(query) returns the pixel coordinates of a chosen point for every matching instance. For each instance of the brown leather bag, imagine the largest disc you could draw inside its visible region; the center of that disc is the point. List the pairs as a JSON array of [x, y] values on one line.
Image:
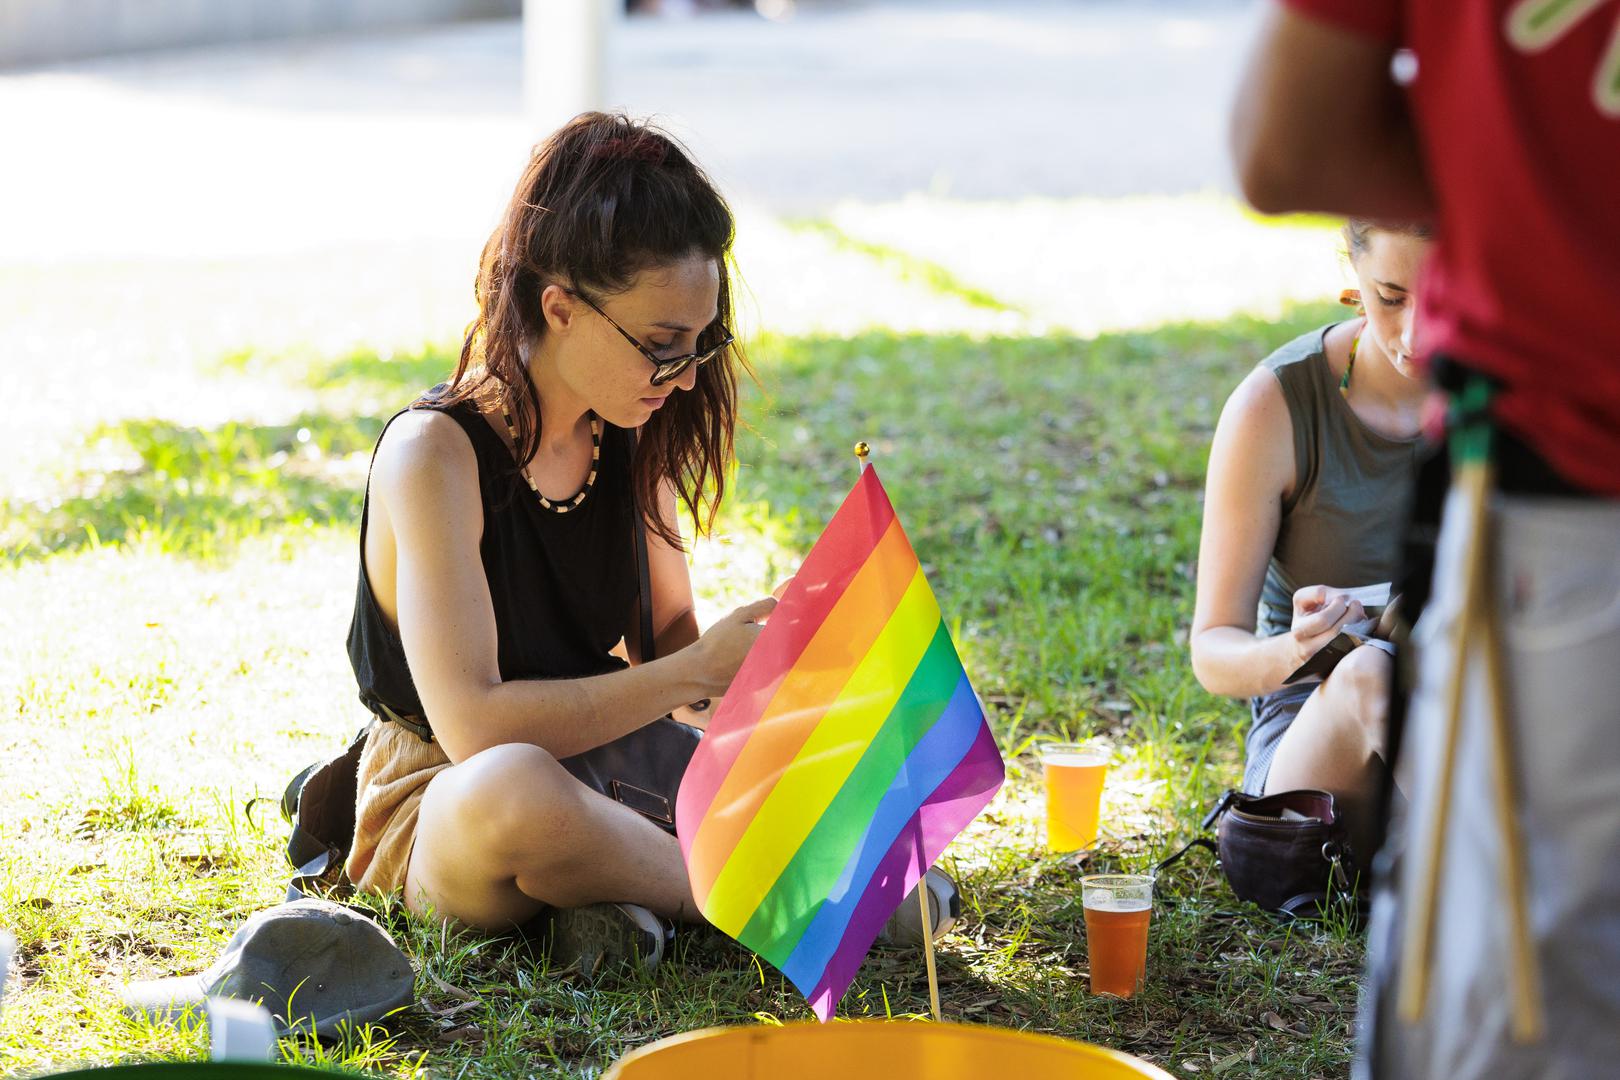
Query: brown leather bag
[[1286, 852]]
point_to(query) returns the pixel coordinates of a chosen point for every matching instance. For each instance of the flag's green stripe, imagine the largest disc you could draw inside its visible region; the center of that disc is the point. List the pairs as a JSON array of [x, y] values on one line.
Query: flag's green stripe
[[790, 905]]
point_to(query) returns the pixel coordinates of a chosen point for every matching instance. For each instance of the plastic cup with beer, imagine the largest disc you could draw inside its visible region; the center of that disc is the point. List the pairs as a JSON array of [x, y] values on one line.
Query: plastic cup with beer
[[1074, 784], [1118, 908]]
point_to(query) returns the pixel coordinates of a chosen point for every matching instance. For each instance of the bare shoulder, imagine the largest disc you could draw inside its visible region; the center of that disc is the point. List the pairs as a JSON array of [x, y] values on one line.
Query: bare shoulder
[[425, 459], [1257, 406], [1255, 436]]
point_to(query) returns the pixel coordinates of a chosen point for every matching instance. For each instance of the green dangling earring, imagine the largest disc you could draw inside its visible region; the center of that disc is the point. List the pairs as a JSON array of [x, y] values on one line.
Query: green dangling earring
[[1351, 298]]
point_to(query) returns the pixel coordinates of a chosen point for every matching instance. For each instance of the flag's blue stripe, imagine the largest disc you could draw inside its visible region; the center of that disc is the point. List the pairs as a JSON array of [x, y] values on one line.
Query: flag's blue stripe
[[933, 759], [791, 904]]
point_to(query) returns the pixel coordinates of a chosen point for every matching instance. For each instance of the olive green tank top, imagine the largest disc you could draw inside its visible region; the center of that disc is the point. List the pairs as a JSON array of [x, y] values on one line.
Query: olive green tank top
[[1342, 524]]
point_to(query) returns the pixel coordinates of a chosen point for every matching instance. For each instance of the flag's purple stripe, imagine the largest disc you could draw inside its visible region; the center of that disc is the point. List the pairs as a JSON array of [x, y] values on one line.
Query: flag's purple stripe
[[953, 805], [933, 759]]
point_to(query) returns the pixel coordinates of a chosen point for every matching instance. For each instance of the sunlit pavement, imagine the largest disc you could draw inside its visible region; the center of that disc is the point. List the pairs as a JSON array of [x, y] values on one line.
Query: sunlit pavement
[[159, 210]]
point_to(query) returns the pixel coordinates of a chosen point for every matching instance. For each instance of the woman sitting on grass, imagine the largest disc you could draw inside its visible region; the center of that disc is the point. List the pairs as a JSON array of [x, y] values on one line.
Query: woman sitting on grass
[[498, 568], [1309, 476], [498, 571]]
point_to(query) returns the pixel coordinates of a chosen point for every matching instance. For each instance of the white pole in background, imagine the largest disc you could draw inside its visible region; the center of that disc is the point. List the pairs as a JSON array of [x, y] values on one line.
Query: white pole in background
[[564, 46]]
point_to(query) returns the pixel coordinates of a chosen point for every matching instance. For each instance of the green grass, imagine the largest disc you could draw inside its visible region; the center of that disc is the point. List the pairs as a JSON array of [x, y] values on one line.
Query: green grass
[[171, 648], [907, 266], [196, 492]]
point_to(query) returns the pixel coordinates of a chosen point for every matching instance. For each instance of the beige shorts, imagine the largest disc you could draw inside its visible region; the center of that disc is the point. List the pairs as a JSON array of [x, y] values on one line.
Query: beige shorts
[[395, 768]]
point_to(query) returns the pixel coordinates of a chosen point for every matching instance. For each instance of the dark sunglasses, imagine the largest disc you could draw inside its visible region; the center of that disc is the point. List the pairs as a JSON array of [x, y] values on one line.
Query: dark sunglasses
[[665, 370]]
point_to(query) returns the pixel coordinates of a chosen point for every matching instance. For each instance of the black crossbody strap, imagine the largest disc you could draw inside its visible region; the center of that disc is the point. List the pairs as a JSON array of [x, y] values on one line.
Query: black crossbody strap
[[649, 647], [1197, 842]]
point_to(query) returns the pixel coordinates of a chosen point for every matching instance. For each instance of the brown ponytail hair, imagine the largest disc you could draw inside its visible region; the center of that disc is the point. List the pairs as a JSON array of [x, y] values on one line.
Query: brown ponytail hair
[[604, 198]]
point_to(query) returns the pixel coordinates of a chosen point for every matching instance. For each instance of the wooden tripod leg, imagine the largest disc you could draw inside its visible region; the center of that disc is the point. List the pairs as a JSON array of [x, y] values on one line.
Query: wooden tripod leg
[[1418, 943], [1528, 1020]]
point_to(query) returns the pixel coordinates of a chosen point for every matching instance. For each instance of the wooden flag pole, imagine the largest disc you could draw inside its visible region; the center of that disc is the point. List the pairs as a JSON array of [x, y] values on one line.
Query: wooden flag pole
[[928, 942], [1529, 1024], [862, 453]]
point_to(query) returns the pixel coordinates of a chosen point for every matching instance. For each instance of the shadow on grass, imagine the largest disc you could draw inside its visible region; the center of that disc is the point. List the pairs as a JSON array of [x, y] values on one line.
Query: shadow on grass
[[1051, 486], [1217, 972]]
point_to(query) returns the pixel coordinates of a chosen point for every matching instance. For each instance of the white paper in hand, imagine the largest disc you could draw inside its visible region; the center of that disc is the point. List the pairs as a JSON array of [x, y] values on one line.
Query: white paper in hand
[[1370, 596]]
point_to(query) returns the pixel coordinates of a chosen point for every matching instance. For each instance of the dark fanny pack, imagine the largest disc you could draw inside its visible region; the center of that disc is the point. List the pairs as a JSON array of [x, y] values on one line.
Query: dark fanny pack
[[641, 770], [1518, 469], [1286, 852]]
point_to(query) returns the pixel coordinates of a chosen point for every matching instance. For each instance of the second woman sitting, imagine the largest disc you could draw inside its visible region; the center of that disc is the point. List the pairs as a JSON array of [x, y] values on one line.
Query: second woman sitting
[[1309, 479]]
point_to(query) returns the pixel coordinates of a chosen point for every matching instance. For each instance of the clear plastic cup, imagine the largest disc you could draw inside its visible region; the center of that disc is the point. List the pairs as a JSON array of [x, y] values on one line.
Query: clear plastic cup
[[1074, 783], [1118, 910]]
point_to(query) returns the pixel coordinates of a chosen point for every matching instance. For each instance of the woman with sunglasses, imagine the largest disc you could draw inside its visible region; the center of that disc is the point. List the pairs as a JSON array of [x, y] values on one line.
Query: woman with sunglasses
[[498, 568]]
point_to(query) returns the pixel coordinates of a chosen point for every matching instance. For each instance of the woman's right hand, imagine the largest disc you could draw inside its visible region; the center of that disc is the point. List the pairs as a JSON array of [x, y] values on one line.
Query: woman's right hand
[[1319, 614], [722, 648]]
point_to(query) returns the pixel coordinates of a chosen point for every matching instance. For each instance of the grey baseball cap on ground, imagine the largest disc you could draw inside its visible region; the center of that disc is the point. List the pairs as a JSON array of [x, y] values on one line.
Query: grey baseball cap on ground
[[316, 966]]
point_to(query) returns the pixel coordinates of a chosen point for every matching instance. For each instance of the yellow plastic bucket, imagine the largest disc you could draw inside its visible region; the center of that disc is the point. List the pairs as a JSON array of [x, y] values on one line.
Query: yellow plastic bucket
[[874, 1050]]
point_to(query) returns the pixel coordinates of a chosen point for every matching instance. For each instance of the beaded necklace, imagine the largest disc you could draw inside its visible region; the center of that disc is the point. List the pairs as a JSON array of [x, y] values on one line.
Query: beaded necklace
[[590, 481]]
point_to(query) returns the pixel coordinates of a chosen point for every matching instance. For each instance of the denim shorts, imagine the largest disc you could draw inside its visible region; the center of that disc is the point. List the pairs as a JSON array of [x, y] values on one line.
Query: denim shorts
[[1273, 713]]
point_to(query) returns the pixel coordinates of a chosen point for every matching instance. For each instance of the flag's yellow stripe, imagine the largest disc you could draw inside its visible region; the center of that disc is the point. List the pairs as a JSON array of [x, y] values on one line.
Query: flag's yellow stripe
[[843, 638], [825, 761]]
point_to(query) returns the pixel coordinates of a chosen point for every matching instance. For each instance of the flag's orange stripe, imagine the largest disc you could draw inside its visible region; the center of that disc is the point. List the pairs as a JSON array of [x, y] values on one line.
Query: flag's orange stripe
[[816, 774], [828, 661], [853, 534]]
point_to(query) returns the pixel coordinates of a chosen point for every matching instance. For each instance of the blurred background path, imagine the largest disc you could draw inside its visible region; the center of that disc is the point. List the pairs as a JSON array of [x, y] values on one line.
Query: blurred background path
[[984, 167]]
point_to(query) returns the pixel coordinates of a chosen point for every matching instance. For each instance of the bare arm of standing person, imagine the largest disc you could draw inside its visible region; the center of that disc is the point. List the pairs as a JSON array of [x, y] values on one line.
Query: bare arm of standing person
[[426, 477], [1251, 472], [1320, 124]]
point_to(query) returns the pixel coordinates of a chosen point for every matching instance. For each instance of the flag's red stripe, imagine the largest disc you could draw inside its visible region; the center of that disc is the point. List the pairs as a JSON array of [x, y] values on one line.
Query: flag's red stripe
[[867, 613], [849, 540]]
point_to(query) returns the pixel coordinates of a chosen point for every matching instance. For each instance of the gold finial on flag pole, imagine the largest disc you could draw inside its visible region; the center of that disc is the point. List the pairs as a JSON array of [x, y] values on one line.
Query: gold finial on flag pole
[[862, 452]]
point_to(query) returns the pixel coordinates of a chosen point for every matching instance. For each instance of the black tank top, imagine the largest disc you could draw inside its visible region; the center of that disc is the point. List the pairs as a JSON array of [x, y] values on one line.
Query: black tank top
[[563, 585]]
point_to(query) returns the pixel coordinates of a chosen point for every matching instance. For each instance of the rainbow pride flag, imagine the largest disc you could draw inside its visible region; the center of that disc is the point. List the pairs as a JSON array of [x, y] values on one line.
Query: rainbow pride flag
[[848, 752]]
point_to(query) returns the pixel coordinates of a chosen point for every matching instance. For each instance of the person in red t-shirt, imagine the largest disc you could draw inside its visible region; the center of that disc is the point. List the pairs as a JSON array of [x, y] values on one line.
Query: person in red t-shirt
[[1503, 130], [1508, 137]]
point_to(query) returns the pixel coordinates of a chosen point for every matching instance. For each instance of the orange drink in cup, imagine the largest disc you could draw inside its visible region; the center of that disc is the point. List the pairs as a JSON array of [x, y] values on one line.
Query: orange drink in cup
[[1118, 909], [1074, 783]]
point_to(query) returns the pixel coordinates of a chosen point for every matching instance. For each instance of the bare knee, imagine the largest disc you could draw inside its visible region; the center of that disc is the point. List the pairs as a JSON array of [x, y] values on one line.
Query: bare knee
[[1358, 694], [505, 797]]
